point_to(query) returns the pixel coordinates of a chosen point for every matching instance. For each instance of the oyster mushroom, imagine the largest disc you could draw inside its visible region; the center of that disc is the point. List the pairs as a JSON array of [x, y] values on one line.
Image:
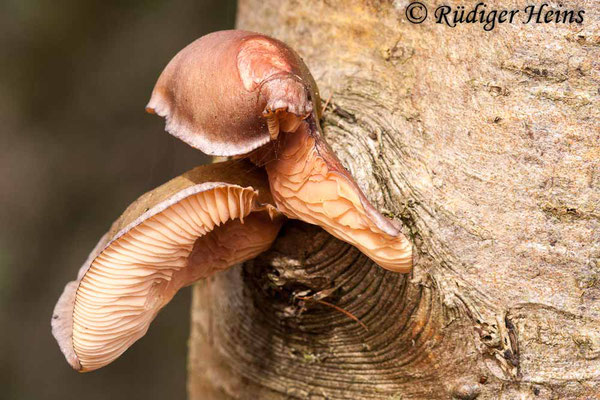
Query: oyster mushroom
[[203, 221], [246, 94]]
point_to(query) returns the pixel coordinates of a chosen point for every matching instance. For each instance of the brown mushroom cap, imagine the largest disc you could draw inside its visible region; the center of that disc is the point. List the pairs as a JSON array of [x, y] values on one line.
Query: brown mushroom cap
[[201, 222], [230, 92], [309, 183]]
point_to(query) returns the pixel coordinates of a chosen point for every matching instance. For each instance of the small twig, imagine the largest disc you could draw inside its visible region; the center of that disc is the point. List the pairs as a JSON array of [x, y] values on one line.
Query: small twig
[[346, 313], [327, 102]]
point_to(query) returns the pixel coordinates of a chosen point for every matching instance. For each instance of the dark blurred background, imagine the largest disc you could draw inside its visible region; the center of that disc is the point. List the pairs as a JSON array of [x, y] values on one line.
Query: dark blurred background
[[76, 147]]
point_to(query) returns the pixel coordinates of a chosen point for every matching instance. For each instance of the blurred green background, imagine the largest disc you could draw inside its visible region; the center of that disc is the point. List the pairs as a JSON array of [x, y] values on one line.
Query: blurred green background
[[76, 147]]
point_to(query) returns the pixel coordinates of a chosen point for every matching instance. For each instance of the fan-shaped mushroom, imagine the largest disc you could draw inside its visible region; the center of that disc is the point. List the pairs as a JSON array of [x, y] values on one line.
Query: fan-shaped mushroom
[[232, 92], [203, 221]]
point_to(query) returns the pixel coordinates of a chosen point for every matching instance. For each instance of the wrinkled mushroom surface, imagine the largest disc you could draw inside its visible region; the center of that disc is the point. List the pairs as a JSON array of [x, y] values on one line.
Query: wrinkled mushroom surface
[[201, 222], [309, 183], [230, 92]]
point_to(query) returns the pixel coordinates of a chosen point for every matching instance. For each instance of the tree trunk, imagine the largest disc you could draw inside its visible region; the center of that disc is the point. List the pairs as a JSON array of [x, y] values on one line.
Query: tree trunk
[[486, 146]]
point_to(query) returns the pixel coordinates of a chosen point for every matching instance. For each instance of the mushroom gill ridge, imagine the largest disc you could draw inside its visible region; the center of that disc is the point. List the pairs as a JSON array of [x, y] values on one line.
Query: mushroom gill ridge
[[188, 234]]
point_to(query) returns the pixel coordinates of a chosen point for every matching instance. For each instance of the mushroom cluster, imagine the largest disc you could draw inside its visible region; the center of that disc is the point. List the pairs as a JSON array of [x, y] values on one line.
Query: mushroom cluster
[[229, 93]]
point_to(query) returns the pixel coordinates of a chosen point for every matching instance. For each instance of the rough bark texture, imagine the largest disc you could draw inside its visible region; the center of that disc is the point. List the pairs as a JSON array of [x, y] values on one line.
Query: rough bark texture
[[486, 145]]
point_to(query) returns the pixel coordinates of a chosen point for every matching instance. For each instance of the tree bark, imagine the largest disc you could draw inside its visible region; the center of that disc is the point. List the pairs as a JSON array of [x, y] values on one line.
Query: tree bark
[[486, 146]]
